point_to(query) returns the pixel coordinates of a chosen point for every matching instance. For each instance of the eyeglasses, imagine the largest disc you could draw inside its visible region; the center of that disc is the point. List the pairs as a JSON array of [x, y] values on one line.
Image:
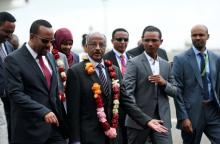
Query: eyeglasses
[[121, 39], [95, 45], [44, 40], [152, 40]]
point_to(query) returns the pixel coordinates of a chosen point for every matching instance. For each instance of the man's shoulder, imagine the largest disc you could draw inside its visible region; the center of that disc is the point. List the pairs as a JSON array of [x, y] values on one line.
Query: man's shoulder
[[109, 54]]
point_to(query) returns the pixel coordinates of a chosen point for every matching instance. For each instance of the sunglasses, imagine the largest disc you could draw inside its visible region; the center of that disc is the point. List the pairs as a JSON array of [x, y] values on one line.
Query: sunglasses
[[121, 39], [152, 40], [44, 40]]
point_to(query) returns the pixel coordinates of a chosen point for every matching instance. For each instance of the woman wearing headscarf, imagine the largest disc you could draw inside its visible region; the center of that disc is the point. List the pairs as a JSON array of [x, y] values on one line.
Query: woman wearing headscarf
[[63, 43]]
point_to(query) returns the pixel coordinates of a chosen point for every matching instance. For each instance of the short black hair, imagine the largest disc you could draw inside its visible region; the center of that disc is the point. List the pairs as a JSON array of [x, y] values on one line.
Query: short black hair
[[36, 24], [152, 29], [118, 29], [5, 16], [84, 39]]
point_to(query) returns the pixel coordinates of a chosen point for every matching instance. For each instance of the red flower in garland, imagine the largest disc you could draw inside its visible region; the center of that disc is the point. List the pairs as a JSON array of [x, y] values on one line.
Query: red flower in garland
[[110, 130]]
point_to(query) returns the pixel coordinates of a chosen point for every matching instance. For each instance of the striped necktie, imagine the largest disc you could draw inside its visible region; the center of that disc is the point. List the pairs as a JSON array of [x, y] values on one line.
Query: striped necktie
[[102, 78]]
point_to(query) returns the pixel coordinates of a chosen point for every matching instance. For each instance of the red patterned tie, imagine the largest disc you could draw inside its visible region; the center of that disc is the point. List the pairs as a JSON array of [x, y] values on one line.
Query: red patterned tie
[[45, 70], [123, 65]]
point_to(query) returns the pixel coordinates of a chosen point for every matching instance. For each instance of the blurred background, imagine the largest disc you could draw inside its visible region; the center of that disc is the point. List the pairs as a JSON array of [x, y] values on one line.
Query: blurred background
[[174, 17]]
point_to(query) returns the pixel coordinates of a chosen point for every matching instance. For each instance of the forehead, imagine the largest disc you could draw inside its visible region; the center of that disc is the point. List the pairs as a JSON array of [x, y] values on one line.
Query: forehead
[[199, 29], [96, 37], [151, 35], [121, 34], [45, 32]]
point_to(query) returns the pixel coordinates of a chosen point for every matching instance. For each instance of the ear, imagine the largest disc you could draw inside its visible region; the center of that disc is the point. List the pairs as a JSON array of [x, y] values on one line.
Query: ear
[[112, 40], [161, 41]]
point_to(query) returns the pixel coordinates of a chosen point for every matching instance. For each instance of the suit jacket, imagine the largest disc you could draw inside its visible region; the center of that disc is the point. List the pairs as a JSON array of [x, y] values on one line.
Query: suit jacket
[[30, 97], [140, 49], [218, 78], [2, 78], [111, 56], [187, 74], [8, 47], [81, 108], [147, 95]]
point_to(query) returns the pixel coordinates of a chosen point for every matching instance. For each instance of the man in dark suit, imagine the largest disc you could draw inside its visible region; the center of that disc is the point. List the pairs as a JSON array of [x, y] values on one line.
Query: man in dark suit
[[7, 27], [36, 111], [148, 81], [93, 115], [85, 127], [140, 49], [197, 105], [118, 56]]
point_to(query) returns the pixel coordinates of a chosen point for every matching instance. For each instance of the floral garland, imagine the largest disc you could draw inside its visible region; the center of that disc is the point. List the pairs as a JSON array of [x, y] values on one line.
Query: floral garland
[[62, 73], [110, 130]]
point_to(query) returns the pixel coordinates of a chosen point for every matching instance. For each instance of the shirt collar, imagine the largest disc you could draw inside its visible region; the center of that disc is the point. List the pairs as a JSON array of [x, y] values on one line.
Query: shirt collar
[[118, 54], [150, 59], [197, 51], [95, 63], [33, 53]]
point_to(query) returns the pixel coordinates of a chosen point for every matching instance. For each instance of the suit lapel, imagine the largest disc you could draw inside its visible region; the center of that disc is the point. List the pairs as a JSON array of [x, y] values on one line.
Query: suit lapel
[[146, 64], [114, 60], [212, 69], [34, 66], [194, 65], [163, 69], [54, 74]]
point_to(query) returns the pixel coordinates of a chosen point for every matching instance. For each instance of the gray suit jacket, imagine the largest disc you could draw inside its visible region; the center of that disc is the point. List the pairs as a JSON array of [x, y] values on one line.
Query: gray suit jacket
[[187, 74], [145, 94]]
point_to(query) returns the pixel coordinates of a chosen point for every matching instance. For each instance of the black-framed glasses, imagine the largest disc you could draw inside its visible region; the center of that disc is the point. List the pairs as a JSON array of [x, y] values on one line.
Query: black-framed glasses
[[122, 39], [44, 40]]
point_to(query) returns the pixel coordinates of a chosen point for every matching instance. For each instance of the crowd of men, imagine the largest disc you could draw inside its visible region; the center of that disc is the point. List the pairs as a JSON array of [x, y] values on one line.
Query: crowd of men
[[51, 95]]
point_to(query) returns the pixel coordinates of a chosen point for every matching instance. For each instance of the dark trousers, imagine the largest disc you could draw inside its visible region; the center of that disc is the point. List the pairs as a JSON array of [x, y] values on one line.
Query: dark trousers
[[209, 123], [137, 136], [55, 138]]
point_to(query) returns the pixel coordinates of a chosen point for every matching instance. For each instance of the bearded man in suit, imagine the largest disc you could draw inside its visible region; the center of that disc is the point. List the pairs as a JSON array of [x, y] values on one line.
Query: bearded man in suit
[[36, 111]]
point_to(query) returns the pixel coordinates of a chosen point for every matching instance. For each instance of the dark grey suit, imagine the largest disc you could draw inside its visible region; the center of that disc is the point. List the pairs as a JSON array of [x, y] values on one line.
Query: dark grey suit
[[31, 99], [81, 108], [189, 101], [149, 97]]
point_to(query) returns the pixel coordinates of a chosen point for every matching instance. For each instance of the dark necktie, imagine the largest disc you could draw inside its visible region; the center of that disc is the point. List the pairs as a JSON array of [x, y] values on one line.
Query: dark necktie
[[45, 70], [123, 65], [205, 91], [102, 78]]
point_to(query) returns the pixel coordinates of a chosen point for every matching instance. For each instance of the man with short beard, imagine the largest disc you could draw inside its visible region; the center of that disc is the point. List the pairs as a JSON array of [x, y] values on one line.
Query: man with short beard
[[197, 105], [37, 112]]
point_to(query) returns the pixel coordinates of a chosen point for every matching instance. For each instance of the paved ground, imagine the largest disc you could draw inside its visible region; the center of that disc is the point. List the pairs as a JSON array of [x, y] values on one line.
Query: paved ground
[[175, 132]]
